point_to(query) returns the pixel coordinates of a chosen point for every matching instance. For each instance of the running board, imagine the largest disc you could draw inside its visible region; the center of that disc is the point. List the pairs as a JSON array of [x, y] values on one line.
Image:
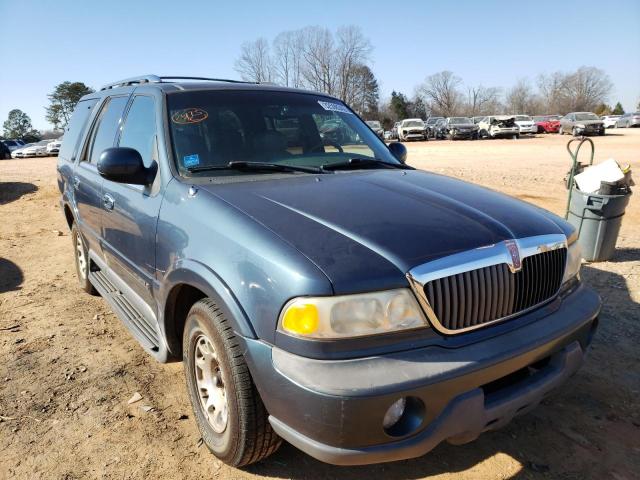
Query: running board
[[144, 330]]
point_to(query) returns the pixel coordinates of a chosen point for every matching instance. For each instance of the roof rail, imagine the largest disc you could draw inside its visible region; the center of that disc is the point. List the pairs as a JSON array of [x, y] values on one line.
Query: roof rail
[[207, 79], [157, 79], [132, 81]]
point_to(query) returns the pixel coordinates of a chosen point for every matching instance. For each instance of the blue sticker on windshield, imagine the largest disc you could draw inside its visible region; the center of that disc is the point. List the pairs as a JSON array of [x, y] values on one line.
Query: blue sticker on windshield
[[334, 107], [191, 160]]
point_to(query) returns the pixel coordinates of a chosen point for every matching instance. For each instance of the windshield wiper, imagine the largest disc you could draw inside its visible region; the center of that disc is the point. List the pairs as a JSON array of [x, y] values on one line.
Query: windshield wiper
[[356, 163], [242, 165]]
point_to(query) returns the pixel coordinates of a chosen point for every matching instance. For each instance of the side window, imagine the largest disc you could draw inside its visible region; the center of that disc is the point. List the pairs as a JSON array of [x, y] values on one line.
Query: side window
[[104, 132], [75, 128], [139, 131]]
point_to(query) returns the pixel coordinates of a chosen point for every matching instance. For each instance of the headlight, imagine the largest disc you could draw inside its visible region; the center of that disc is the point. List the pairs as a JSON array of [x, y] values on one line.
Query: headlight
[[574, 262], [351, 315]]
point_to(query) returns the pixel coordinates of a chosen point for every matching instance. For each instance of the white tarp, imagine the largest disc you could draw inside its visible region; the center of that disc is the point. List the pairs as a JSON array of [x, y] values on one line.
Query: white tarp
[[589, 180]]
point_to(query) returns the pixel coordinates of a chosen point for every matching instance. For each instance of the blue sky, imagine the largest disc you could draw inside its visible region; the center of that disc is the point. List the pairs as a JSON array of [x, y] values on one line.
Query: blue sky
[[493, 43]]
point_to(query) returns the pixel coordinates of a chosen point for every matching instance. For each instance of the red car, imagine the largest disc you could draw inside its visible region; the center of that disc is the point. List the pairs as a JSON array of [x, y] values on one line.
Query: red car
[[548, 123]]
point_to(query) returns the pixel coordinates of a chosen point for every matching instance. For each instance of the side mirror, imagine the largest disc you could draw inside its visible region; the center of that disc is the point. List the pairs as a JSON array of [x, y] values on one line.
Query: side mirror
[[399, 151], [124, 165]]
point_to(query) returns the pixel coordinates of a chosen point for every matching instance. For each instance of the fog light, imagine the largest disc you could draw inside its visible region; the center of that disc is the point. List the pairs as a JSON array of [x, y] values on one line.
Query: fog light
[[394, 413]]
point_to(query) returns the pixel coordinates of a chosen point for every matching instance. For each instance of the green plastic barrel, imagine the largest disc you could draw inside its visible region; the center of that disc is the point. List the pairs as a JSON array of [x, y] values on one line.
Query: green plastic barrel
[[597, 219]]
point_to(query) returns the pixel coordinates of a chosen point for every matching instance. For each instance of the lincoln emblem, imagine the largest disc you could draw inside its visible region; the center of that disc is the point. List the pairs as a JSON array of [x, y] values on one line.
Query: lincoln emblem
[[515, 264]]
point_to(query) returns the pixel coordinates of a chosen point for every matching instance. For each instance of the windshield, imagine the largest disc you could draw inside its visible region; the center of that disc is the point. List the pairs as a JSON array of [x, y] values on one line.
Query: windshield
[[523, 118], [374, 124], [540, 119], [433, 120], [586, 116], [214, 128], [413, 123], [460, 120]]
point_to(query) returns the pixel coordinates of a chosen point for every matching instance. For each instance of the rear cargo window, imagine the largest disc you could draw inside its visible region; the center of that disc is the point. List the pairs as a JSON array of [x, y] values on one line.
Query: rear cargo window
[[76, 128]]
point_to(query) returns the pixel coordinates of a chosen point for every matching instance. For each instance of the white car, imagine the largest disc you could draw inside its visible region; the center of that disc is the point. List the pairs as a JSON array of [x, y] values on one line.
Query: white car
[[38, 149], [53, 147], [412, 129], [526, 124], [498, 126], [610, 120]]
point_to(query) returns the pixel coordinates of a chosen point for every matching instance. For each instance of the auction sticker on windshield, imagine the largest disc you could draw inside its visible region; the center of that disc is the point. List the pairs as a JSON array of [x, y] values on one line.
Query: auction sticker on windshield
[[334, 107], [189, 115], [191, 160]]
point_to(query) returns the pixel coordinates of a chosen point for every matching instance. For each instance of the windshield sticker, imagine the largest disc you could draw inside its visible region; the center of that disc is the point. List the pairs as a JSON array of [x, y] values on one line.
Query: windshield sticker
[[334, 107], [191, 160], [189, 115]]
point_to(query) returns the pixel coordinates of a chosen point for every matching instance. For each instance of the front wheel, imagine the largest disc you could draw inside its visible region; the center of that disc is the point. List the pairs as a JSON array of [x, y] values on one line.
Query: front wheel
[[560, 131], [228, 410]]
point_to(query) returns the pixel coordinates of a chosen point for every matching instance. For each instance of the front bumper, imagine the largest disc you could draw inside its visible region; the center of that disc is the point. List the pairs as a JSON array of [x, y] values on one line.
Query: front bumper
[[590, 130], [504, 132], [333, 409], [531, 129]]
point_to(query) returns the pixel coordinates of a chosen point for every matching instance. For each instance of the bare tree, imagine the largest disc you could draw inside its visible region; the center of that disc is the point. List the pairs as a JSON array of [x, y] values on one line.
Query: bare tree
[[521, 98], [441, 93], [287, 58], [254, 63], [482, 101], [318, 68], [586, 88], [351, 53]]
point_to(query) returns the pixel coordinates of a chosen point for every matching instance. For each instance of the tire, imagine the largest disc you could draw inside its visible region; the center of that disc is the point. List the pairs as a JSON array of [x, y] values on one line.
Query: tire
[[516, 136], [81, 257], [574, 132], [240, 434], [560, 131]]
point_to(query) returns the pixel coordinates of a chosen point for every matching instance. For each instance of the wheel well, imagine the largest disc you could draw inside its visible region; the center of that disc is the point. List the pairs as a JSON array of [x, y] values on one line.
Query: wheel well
[[179, 302], [68, 215]]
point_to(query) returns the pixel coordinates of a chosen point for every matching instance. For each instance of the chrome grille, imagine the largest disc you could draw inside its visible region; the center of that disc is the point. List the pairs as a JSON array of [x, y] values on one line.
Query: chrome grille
[[472, 298]]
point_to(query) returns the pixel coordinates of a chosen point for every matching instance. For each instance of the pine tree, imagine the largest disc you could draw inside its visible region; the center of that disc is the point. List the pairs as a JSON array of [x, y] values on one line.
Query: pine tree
[[618, 110]]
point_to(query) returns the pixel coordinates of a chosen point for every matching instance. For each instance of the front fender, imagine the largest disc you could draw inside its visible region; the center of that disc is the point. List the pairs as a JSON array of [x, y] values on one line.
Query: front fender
[[198, 275]]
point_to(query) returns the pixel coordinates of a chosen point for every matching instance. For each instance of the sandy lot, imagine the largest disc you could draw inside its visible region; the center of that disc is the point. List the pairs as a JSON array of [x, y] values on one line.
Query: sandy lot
[[68, 366]]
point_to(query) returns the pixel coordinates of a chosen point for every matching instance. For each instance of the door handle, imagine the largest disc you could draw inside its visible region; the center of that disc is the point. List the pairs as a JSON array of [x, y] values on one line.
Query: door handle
[[108, 201], [76, 183]]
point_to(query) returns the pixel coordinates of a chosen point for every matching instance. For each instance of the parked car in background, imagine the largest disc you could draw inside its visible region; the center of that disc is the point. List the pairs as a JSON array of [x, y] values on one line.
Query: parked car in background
[[5, 153], [18, 152], [376, 127], [453, 128], [388, 135], [412, 129], [13, 144], [629, 120], [358, 308], [431, 126], [547, 124], [581, 123], [526, 124], [610, 121], [37, 149], [498, 126], [394, 131], [53, 147]]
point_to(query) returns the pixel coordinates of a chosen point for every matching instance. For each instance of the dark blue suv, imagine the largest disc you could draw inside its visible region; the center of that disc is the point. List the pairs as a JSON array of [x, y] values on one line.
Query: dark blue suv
[[317, 289]]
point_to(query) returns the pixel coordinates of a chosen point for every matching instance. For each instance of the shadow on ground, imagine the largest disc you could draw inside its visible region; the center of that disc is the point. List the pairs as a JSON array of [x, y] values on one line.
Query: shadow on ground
[[11, 276], [542, 441], [11, 191]]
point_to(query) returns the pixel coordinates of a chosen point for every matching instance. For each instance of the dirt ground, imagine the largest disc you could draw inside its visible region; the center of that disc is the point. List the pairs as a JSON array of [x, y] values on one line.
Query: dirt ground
[[68, 366]]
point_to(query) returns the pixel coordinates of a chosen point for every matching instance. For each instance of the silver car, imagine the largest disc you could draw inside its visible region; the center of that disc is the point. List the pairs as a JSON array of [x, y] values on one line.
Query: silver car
[[629, 120]]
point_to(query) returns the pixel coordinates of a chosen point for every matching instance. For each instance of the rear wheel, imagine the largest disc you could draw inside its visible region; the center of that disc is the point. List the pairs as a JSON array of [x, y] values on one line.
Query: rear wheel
[[82, 262], [228, 410]]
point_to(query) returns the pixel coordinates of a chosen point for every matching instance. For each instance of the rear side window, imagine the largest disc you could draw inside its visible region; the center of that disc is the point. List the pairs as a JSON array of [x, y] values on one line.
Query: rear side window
[[76, 127], [139, 131], [107, 124]]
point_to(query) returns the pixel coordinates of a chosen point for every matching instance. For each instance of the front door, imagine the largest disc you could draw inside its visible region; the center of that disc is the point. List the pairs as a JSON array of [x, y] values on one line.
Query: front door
[[130, 217], [86, 181]]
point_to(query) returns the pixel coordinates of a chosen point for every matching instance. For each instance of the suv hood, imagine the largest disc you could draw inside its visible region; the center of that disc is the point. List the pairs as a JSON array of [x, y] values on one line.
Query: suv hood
[[366, 229]]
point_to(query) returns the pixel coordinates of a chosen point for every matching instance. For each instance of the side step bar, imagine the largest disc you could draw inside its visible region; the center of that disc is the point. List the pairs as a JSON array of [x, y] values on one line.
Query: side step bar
[[143, 329]]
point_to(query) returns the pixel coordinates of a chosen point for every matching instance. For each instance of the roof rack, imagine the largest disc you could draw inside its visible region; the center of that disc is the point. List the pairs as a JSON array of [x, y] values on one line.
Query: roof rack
[[157, 79]]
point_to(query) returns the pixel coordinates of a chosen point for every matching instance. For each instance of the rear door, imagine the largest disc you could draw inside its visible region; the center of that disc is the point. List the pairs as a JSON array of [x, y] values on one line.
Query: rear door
[[131, 213], [86, 181]]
